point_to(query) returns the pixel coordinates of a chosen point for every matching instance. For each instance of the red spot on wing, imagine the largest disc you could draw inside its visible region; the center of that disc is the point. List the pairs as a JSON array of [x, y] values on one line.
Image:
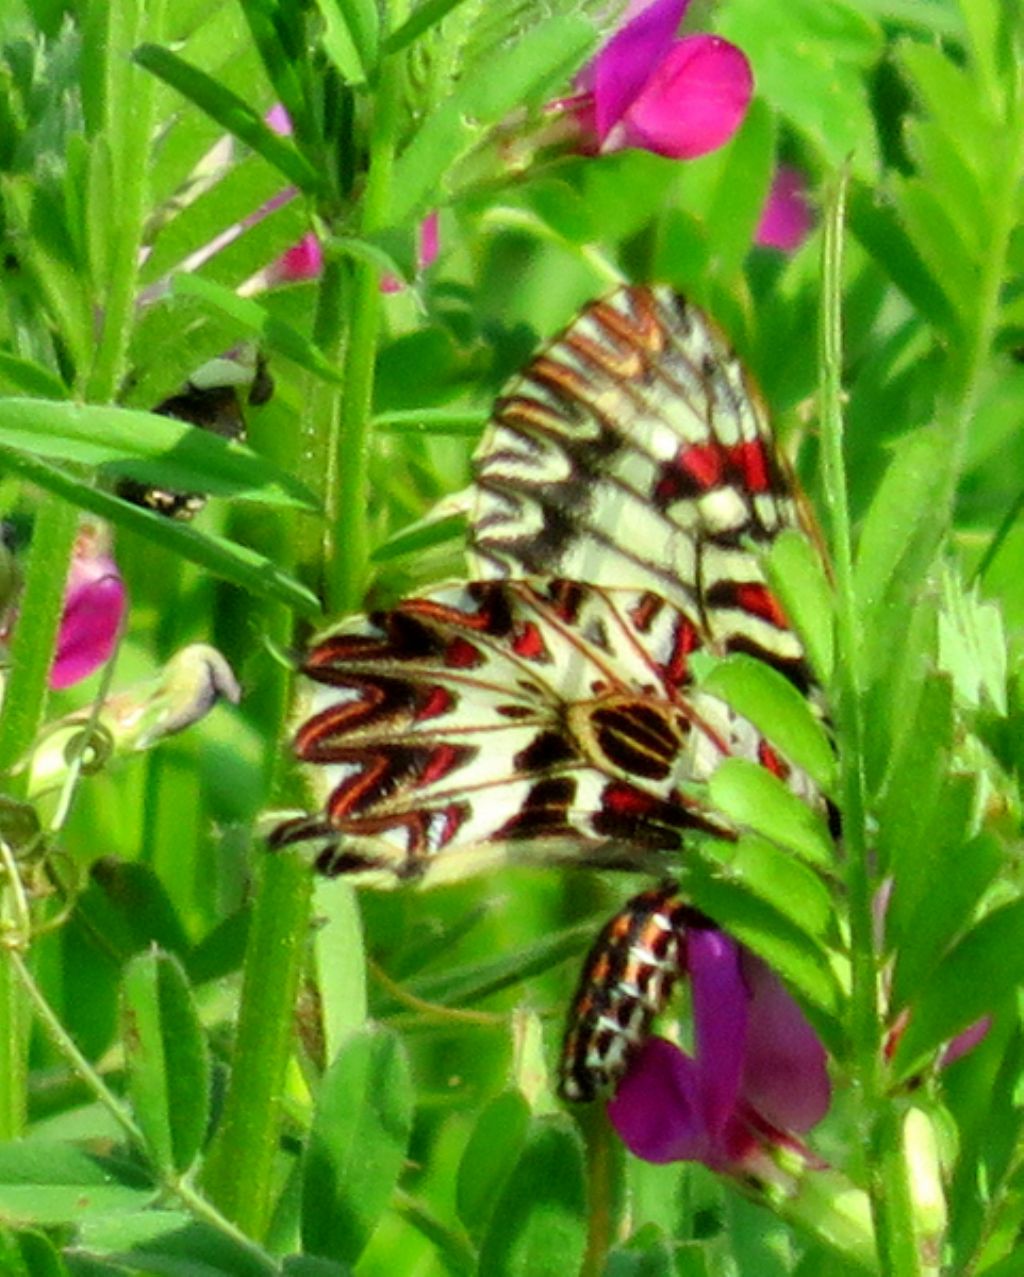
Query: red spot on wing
[[704, 463], [751, 460], [758, 599], [460, 654], [444, 759], [437, 701], [529, 643], [685, 640]]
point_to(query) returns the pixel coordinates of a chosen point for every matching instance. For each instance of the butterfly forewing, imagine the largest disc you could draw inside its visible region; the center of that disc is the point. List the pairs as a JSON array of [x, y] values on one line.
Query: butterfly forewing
[[634, 451]]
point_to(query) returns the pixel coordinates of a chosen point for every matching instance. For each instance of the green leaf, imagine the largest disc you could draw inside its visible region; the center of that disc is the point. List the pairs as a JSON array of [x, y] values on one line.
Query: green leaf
[[779, 879], [351, 36], [148, 447], [879, 231], [898, 540], [798, 579], [357, 1144], [29, 1254], [538, 1227], [51, 1183], [462, 985], [738, 195], [30, 378], [168, 1064], [983, 969], [919, 762], [127, 908], [756, 799], [779, 712], [426, 15], [516, 76], [920, 930], [495, 1146], [274, 334], [232, 113], [170, 1243], [236, 563]]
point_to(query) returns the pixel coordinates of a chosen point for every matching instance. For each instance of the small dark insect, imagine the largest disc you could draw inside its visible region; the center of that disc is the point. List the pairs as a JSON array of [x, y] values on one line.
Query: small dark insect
[[211, 400]]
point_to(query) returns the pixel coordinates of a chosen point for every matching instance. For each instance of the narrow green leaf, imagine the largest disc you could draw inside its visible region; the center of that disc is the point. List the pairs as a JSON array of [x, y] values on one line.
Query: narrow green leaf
[[538, 1227], [148, 447], [494, 1147], [443, 421], [236, 563], [879, 231], [797, 575], [427, 15], [351, 37], [232, 113], [983, 969], [168, 1064], [779, 712], [48, 1183], [756, 799], [274, 333], [462, 985], [742, 185], [30, 378], [358, 1142]]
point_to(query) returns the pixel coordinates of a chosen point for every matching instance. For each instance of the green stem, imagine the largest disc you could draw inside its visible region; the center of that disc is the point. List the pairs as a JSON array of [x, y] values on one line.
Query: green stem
[[32, 649], [348, 549], [248, 1133], [128, 128], [890, 1185]]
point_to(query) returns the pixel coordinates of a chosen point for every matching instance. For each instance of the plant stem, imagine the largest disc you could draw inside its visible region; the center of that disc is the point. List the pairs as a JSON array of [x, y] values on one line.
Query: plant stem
[[128, 130], [248, 1132], [889, 1187], [348, 536]]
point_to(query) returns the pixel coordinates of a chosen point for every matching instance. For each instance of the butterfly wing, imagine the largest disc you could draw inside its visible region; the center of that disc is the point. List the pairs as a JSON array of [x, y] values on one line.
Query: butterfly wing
[[520, 718], [546, 707], [635, 451]]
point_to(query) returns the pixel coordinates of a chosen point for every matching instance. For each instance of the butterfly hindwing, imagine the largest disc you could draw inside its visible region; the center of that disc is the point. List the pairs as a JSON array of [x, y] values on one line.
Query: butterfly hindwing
[[541, 717]]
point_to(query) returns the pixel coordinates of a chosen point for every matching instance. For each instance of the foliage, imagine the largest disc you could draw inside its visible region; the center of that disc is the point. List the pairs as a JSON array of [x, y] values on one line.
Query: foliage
[[195, 1079]]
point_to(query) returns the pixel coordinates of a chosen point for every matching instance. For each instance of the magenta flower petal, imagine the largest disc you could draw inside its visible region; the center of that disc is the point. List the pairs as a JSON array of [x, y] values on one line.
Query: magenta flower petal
[[965, 1041], [657, 1109], [94, 604], [785, 1074], [786, 217], [305, 260], [693, 102], [720, 1001], [623, 66]]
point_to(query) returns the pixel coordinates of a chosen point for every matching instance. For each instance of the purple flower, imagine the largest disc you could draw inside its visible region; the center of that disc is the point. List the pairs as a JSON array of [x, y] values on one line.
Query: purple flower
[[676, 96], [786, 216], [757, 1074], [94, 605]]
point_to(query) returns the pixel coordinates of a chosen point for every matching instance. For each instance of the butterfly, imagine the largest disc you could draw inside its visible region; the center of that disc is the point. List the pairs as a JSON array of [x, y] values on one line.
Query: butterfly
[[209, 401], [546, 708]]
